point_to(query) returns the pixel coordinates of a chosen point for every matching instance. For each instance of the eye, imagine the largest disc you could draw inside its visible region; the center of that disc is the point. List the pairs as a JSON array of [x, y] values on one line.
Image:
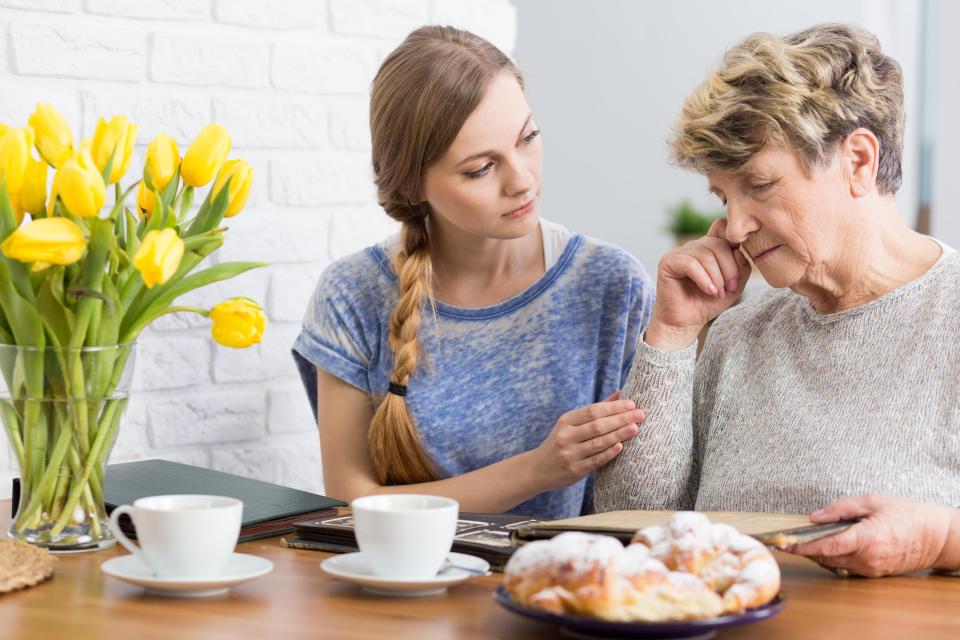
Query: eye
[[482, 171], [760, 188], [529, 138]]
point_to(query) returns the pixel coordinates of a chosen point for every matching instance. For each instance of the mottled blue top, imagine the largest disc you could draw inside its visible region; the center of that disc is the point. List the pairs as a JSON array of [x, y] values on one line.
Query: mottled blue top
[[495, 379]]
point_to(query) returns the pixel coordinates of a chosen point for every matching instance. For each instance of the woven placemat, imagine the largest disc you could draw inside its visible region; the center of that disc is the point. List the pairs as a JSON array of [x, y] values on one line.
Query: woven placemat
[[23, 565]]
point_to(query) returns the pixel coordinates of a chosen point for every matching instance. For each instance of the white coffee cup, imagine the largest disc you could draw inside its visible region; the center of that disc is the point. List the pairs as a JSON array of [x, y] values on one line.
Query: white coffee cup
[[182, 536], [405, 536]]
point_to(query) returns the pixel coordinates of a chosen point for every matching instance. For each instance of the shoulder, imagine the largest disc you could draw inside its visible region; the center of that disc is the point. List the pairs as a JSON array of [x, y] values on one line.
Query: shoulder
[[606, 260], [948, 267], [357, 288], [356, 273], [938, 294]]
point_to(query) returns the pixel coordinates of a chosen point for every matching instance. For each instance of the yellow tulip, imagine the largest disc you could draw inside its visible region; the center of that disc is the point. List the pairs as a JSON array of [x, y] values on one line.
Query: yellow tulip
[[158, 256], [162, 161], [53, 137], [146, 202], [3, 129], [80, 186], [52, 198], [33, 193], [205, 156], [237, 323], [14, 154], [242, 179], [114, 137], [47, 241]]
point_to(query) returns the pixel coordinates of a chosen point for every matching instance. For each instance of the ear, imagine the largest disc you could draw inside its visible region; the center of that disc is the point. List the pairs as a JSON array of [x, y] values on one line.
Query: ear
[[860, 160]]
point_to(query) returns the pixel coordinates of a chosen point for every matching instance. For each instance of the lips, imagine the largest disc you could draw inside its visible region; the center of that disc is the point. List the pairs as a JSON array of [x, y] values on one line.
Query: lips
[[519, 211], [763, 254]]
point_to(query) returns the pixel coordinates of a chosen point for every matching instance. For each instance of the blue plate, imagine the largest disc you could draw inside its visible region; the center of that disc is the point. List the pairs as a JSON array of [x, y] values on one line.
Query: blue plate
[[590, 628]]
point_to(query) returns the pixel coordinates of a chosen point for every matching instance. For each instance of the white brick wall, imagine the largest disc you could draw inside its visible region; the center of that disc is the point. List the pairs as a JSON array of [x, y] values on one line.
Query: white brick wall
[[290, 79]]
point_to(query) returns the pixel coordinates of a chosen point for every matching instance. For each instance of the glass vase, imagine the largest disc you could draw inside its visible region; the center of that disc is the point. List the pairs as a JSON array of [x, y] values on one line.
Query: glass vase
[[61, 409]]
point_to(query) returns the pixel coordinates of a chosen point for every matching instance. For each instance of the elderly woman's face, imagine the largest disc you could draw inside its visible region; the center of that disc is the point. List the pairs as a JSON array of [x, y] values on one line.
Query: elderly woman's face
[[790, 223]]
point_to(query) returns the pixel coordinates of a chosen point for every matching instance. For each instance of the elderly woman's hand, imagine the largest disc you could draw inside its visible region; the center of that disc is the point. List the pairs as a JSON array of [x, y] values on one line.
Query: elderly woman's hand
[[695, 284], [895, 535]]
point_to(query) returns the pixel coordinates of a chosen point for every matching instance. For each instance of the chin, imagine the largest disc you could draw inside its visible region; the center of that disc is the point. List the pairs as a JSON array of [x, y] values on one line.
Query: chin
[[779, 279]]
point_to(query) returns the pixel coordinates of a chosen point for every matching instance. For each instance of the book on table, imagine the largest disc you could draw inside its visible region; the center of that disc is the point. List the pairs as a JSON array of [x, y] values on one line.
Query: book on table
[[268, 509], [777, 530]]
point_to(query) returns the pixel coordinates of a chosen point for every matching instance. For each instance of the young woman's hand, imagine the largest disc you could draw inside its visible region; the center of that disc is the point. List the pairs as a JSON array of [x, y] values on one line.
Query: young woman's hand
[[695, 284], [585, 439]]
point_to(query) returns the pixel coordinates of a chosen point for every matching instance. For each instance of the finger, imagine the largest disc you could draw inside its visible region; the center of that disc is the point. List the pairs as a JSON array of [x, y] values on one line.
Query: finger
[[855, 564], [743, 276], [591, 447], [613, 396], [840, 544], [746, 269], [598, 460], [595, 411], [718, 229], [844, 509], [727, 261], [603, 426], [708, 261], [690, 267]]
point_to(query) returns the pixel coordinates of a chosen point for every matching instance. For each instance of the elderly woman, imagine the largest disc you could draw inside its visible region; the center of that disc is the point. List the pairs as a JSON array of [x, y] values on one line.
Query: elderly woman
[[837, 391]]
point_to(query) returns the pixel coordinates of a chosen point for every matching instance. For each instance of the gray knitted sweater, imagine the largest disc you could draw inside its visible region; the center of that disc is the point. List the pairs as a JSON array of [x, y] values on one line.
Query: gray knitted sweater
[[788, 409]]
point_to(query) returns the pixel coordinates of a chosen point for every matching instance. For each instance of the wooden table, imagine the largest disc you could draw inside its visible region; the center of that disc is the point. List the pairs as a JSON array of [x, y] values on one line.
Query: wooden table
[[297, 600]]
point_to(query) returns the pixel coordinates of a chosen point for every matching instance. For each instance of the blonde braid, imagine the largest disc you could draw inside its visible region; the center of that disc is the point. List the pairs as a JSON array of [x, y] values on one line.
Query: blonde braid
[[423, 93], [396, 448]]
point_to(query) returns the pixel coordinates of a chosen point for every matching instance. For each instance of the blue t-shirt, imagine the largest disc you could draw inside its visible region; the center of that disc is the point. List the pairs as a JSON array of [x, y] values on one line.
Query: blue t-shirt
[[493, 380]]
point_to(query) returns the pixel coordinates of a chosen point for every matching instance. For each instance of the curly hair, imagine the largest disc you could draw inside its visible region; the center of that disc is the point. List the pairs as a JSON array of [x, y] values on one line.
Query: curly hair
[[806, 91]]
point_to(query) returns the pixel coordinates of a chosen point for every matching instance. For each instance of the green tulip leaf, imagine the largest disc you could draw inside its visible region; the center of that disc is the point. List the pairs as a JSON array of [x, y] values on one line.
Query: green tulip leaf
[[25, 322], [56, 316], [91, 280], [8, 221]]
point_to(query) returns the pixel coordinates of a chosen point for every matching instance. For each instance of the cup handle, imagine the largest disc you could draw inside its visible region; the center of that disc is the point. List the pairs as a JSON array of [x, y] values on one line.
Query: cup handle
[[118, 532]]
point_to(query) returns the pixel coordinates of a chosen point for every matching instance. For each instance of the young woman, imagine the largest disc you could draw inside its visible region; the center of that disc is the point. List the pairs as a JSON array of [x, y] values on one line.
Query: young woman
[[476, 355]]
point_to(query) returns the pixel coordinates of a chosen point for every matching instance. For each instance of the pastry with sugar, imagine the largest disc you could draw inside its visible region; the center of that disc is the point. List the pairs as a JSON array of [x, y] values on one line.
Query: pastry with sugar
[[687, 569]]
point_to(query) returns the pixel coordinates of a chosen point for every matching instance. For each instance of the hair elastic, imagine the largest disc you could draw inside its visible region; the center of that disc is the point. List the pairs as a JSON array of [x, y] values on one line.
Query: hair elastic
[[397, 389]]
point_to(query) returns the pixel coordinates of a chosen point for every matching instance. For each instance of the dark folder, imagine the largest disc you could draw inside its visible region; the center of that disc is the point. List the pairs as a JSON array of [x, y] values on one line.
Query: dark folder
[[268, 509]]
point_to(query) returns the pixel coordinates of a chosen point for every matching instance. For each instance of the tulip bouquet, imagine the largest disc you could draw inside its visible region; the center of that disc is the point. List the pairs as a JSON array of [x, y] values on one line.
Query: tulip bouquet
[[80, 279]]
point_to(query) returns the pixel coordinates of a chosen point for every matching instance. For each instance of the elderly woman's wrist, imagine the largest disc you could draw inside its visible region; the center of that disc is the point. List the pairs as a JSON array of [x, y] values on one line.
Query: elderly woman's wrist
[[668, 337], [949, 559]]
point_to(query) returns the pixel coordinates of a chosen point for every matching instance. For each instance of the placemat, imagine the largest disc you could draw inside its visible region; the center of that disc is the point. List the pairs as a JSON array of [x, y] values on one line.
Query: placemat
[[23, 565]]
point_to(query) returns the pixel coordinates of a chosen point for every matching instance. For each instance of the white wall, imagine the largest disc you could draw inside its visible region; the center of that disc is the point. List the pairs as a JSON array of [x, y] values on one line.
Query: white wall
[[290, 80], [606, 80], [945, 209]]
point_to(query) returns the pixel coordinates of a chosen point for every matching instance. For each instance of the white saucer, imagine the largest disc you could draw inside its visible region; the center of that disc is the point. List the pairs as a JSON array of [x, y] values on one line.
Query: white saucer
[[352, 567], [240, 568]]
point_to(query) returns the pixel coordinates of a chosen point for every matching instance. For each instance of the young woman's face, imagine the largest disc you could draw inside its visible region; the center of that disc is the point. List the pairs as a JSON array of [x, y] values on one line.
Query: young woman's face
[[487, 184]]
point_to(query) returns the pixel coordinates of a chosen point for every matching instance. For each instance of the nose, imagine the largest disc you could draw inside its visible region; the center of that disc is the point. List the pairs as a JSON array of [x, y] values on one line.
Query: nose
[[518, 177], [740, 223]]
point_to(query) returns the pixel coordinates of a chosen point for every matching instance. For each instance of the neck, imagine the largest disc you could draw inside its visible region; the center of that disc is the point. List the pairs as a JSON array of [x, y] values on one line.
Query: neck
[[877, 258], [472, 271]]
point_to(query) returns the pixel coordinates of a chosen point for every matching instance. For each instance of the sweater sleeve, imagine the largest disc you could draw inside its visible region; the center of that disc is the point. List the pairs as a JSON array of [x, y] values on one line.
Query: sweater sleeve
[[656, 469]]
